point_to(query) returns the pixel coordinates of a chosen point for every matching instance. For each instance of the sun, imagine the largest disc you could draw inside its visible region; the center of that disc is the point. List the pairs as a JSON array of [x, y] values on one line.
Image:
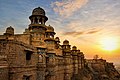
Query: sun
[[109, 43]]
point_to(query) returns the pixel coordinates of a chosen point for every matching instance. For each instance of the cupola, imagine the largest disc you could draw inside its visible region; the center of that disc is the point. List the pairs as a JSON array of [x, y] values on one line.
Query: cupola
[[9, 31]]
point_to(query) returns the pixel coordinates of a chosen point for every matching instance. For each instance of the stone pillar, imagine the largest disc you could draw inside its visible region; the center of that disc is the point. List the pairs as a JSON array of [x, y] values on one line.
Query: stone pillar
[[43, 21], [38, 20], [33, 20]]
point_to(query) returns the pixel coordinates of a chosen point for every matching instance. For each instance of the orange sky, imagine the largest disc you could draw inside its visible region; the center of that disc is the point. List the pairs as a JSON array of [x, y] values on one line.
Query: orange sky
[[91, 46]]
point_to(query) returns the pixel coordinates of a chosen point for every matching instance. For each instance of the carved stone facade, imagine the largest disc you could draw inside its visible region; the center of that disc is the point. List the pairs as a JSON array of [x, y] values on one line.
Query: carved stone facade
[[37, 55]]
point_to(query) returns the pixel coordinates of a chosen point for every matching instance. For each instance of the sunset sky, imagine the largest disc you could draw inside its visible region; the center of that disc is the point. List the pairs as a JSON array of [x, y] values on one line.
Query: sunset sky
[[91, 25]]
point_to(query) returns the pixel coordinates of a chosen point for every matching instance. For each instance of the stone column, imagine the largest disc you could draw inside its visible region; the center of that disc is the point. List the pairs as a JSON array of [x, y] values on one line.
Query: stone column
[[43, 21]]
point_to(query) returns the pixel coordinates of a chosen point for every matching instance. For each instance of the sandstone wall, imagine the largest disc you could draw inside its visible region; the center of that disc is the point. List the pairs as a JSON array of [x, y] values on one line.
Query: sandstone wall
[[4, 73]]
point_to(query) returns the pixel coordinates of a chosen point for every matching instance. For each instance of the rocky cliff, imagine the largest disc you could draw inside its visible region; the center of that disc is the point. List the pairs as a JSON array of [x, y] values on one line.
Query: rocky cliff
[[97, 70]]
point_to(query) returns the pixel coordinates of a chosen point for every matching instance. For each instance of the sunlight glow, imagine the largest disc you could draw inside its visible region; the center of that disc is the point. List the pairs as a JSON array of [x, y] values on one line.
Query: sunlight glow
[[109, 43]]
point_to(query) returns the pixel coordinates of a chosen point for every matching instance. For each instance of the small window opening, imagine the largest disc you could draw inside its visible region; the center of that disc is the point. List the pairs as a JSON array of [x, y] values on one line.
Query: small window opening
[[28, 55], [26, 77]]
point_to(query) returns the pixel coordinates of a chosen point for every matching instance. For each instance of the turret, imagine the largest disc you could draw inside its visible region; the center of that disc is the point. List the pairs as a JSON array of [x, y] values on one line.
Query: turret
[[74, 50], [37, 28], [50, 32], [50, 45], [67, 59], [38, 20], [75, 59], [66, 47], [9, 31], [49, 38], [38, 16]]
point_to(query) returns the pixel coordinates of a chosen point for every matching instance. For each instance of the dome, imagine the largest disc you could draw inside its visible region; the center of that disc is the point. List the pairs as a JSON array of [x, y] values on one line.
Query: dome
[[66, 42], [74, 48], [57, 39], [10, 30], [81, 53], [50, 29], [38, 11]]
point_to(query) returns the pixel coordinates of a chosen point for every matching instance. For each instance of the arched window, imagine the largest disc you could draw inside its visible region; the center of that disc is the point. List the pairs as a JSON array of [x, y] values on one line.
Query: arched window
[[40, 58], [36, 21]]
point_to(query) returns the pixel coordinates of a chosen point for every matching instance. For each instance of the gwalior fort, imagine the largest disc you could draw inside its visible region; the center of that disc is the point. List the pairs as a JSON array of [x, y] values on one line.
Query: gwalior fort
[[37, 55]]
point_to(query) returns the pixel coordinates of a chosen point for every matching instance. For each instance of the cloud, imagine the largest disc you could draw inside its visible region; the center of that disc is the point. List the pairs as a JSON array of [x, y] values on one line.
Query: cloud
[[73, 33], [93, 31], [90, 31], [66, 8]]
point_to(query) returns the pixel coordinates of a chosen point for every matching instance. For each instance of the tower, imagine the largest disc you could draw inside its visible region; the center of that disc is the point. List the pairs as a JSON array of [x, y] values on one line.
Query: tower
[[50, 46], [37, 31], [37, 27], [66, 52], [49, 38], [75, 59], [67, 60]]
